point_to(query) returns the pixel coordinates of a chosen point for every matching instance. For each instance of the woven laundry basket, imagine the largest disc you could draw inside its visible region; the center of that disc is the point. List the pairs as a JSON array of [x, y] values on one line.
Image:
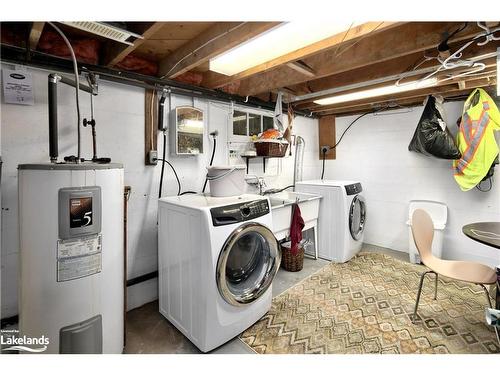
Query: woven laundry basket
[[289, 261]]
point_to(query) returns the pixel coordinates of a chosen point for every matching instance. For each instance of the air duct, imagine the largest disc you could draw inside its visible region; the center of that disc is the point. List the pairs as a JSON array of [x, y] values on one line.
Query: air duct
[[105, 30]]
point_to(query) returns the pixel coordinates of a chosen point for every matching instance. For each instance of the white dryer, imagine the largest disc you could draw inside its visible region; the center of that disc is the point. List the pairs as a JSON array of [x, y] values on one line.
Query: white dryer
[[342, 216], [217, 260]]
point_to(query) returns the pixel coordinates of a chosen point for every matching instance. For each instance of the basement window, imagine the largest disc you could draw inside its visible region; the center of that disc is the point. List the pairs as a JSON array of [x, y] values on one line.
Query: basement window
[[267, 123], [240, 123], [247, 123], [254, 124]]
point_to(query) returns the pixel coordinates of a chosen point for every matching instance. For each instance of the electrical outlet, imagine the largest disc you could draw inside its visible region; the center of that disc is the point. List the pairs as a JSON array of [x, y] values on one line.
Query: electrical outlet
[[152, 157], [325, 149]]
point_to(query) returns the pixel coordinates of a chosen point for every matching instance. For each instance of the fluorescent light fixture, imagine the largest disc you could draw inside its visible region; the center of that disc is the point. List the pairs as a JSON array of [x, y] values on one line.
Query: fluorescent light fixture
[[279, 41], [379, 91]]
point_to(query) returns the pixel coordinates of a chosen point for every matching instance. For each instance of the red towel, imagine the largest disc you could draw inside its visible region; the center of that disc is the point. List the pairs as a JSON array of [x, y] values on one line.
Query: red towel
[[296, 229]]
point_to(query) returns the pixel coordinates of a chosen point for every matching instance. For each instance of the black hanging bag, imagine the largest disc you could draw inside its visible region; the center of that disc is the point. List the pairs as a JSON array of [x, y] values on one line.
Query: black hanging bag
[[431, 136]]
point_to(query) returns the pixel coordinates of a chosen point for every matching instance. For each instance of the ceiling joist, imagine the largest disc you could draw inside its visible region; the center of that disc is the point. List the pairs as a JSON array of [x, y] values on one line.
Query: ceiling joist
[[383, 46], [117, 52], [301, 67], [373, 54], [35, 33]]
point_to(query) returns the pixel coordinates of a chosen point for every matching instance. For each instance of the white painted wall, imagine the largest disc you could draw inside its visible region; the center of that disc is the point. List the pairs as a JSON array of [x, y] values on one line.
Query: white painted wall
[[119, 112], [375, 152]]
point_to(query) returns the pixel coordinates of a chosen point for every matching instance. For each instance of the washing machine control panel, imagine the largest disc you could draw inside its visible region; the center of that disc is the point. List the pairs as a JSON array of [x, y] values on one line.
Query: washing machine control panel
[[239, 212], [353, 189]]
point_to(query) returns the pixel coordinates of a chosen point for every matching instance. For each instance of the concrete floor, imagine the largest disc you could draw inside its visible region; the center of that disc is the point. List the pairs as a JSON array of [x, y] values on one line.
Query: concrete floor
[[149, 332]]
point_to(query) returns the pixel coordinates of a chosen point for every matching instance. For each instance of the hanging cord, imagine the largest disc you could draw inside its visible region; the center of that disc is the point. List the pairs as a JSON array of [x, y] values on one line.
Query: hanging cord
[[202, 46], [77, 85], [164, 156], [162, 164], [337, 54], [188, 192], [176, 177], [163, 159], [326, 149], [443, 47], [454, 60], [323, 168], [214, 135]]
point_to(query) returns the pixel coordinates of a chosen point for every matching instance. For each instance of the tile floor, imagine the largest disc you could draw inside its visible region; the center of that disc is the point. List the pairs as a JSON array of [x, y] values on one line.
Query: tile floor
[[149, 332]]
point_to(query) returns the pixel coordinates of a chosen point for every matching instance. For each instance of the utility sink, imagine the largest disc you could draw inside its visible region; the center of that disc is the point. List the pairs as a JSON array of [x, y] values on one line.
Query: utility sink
[[281, 209]]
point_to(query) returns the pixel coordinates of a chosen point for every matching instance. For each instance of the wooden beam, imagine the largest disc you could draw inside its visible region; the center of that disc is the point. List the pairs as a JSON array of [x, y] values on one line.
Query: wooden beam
[[302, 68], [218, 39], [335, 40], [383, 46], [35, 33], [118, 51]]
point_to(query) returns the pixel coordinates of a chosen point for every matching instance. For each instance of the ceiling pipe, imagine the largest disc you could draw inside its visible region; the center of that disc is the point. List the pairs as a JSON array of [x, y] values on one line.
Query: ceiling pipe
[[17, 55]]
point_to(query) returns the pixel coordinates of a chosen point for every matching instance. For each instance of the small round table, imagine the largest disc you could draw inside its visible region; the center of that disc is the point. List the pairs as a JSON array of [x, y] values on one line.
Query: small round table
[[487, 233]]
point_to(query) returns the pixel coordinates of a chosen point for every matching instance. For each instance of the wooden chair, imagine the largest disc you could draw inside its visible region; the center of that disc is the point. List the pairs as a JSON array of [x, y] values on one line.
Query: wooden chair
[[472, 272]]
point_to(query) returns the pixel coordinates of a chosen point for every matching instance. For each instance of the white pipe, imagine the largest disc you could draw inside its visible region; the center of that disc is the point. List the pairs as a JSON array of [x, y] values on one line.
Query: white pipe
[[77, 86]]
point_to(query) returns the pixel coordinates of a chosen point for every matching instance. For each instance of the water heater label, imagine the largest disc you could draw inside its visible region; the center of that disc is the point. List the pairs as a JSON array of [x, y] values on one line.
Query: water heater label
[[79, 257], [80, 212]]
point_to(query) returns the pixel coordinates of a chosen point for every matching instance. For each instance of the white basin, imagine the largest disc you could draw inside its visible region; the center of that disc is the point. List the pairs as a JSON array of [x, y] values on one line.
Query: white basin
[[281, 209]]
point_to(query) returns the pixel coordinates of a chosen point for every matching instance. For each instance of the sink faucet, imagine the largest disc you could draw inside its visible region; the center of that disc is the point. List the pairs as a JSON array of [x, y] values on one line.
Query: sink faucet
[[258, 181], [261, 183]]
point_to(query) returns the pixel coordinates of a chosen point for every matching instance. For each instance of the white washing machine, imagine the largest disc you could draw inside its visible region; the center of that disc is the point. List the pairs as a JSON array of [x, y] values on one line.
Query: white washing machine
[[217, 260], [342, 216]]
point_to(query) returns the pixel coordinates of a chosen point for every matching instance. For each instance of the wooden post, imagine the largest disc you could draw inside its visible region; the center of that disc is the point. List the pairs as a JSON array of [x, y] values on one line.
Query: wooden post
[[151, 124], [327, 136]]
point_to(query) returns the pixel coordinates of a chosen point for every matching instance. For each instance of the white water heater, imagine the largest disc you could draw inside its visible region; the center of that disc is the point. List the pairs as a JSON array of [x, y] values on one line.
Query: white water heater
[[71, 256]]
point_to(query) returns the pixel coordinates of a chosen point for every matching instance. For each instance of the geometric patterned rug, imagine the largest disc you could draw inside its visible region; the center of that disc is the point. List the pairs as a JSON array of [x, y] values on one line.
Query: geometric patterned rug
[[365, 306]]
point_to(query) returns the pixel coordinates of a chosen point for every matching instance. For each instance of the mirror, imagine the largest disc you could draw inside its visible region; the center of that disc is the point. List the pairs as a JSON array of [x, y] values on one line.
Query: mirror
[[189, 131]]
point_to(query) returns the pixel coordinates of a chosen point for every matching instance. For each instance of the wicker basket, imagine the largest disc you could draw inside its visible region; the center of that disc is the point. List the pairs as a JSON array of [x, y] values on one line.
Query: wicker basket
[[290, 262], [275, 149]]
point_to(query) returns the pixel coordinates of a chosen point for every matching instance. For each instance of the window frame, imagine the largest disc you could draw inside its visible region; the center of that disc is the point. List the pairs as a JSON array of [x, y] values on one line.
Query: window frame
[[254, 111]]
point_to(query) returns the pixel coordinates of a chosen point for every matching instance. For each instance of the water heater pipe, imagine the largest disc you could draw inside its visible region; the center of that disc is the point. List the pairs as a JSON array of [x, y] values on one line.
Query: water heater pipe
[[52, 102], [77, 84]]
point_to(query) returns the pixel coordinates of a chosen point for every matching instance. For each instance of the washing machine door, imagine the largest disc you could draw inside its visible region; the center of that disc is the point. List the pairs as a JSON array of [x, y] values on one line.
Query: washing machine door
[[357, 216], [248, 262]]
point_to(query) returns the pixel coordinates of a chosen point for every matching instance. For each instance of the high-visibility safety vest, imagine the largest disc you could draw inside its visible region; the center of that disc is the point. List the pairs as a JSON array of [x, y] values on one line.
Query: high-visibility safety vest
[[476, 139]]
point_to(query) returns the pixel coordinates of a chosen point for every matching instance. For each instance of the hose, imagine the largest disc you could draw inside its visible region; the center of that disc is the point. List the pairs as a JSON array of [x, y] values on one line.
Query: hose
[[163, 160], [176, 176], [275, 191], [214, 134], [77, 86]]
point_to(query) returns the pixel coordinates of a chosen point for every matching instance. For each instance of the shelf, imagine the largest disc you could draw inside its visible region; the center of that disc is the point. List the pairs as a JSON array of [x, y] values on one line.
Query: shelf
[[247, 157]]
